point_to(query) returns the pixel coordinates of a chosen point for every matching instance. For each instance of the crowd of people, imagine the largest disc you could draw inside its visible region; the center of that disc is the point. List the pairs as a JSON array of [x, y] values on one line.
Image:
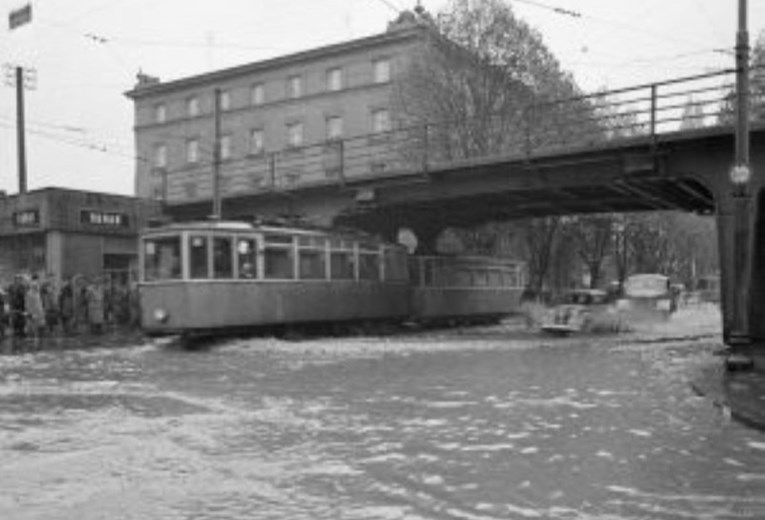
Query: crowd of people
[[35, 307]]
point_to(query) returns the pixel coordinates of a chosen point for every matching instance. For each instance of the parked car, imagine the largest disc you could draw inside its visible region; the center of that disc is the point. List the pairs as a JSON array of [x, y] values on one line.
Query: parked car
[[578, 311]]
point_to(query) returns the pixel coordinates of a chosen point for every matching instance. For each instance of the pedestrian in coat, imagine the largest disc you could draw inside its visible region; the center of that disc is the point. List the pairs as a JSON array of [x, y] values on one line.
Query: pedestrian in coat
[[66, 306], [34, 308], [3, 313], [17, 302], [49, 295], [95, 301]]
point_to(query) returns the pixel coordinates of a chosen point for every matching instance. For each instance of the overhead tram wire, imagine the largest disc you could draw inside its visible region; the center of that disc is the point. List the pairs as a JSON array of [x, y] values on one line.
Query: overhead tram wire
[[633, 28], [93, 146], [396, 9]]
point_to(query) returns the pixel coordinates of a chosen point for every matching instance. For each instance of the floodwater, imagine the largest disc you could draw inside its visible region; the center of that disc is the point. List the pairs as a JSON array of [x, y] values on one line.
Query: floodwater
[[462, 424]]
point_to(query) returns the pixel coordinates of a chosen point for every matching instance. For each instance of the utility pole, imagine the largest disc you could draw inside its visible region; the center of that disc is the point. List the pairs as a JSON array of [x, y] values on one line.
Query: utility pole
[[742, 89], [20, 78], [20, 131], [740, 176], [217, 210]]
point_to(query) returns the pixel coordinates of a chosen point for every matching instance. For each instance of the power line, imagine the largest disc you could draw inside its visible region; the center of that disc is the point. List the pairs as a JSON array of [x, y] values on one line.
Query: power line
[[94, 146], [633, 28], [390, 5], [559, 10]]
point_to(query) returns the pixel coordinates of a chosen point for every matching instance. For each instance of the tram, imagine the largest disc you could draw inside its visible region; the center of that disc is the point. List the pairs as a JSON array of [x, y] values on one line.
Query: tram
[[201, 278], [465, 288]]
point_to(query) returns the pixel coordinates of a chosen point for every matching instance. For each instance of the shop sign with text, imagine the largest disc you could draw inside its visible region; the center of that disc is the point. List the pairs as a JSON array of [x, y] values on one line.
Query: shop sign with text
[[26, 218], [104, 219]]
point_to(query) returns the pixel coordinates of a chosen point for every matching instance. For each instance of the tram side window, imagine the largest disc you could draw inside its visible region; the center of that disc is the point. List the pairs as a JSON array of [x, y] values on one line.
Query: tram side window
[[312, 258], [222, 254], [278, 257], [395, 264], [162, 259], [369, 266], [198, 264], [342, 260], [246, 257], [369, 262]]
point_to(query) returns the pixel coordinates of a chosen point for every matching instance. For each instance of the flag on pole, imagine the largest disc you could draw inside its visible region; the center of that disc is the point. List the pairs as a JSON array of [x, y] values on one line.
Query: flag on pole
[[20, 16]]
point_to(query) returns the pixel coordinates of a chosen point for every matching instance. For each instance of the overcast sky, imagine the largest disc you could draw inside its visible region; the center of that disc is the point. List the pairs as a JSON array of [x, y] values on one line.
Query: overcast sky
[[87, 53]]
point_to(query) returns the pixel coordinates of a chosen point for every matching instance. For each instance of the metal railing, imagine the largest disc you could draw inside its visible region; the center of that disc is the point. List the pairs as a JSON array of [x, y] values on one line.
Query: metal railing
[[544, 128]]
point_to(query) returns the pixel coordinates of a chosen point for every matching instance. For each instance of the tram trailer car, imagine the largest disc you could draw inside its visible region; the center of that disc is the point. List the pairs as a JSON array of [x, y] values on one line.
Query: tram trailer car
[[207, 277], [464, 288]]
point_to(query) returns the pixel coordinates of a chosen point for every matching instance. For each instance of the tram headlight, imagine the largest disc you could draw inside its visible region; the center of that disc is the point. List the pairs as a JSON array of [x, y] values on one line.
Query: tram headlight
[[161, 315]]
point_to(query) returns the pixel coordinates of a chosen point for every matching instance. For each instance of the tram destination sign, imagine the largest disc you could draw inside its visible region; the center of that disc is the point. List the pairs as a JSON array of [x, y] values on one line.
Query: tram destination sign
[[27, 218], [104, 219]]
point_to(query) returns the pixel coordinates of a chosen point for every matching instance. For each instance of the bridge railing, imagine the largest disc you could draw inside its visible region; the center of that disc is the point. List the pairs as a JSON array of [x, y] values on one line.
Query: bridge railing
[[539, 129]]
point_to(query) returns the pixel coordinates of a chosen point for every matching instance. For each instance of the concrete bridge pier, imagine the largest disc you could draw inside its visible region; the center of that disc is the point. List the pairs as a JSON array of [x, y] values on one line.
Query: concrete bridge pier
[[741, 239]]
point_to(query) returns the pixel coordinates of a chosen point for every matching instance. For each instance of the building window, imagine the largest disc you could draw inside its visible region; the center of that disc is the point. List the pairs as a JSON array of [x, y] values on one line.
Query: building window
[[192, 151], [160, 156], [225, 147], [381, 70], [380, 120], [192, 106], [294, 135], [334, 128], [256, 141], [225, 100], [334, 79], [294, 87], [160, 113], [258, 94]]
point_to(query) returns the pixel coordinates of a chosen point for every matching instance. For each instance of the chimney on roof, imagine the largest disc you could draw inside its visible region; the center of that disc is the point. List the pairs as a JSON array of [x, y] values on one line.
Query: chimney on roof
[[145, 80]]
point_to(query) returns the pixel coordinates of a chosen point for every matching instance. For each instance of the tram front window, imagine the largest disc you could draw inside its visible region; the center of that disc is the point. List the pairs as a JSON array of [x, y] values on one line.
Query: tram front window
[[246, 252], [162, 258], [198, 264], [222, 254]]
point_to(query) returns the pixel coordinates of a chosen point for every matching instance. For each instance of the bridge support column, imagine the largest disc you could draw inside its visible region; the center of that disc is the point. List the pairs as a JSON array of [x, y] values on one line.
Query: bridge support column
[[740, 239]]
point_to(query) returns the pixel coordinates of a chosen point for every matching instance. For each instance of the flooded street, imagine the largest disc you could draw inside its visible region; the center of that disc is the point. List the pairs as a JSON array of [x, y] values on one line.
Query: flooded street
[[461, 424]]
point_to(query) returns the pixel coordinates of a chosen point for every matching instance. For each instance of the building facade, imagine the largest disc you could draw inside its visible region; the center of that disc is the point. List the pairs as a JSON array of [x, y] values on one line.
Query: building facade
[[282, 122], [65, 232]]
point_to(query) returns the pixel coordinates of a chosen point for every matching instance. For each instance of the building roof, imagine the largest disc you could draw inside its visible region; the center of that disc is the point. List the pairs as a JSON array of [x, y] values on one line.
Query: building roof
[[148, 86], [53, 190]]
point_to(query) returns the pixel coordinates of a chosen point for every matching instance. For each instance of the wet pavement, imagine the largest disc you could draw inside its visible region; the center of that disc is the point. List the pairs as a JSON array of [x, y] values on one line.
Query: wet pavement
[[480, 424]]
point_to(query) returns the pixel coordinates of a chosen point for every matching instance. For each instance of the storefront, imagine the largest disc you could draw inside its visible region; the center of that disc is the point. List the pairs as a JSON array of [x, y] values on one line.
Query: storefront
[[66, 232]]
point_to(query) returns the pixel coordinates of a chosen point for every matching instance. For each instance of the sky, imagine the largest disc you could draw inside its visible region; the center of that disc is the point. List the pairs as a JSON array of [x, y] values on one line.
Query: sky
[[87, 53]]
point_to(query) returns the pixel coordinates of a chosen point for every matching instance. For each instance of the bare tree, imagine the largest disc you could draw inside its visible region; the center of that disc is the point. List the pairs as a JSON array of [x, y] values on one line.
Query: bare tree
[[484, 84], [541, 234], [594, 234]]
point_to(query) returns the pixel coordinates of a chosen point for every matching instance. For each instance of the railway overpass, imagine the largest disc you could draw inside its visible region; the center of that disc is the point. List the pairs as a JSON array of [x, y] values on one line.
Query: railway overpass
[[620, 151]]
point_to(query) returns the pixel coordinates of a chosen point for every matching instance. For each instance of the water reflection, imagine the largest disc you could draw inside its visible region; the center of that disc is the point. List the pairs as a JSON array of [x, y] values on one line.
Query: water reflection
[[439, 426]]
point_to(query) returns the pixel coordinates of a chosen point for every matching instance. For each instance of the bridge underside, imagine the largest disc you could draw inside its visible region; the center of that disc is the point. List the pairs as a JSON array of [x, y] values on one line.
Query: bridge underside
[[620, 196]]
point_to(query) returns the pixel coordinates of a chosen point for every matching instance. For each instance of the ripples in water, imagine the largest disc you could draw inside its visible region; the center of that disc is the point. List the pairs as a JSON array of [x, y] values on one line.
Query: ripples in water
[[383, 428]]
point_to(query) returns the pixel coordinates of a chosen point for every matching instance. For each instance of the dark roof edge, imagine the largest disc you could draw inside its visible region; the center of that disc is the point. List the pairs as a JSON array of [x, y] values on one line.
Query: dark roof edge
[[231, 72], [57, 189]]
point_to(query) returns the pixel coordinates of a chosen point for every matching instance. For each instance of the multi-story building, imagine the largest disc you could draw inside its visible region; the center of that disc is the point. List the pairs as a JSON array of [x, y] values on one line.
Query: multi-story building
[[279, 121]]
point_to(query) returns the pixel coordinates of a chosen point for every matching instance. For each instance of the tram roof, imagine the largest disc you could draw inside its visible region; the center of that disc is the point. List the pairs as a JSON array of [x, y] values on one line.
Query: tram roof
[[244, 226]]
